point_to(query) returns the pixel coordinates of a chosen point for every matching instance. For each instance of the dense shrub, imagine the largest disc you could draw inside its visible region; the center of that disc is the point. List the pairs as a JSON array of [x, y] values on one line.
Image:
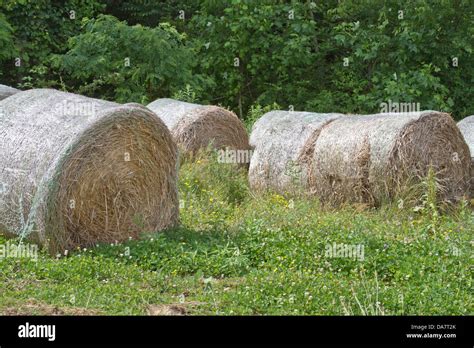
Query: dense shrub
[[404, 53], [127, 63], [318, 56], [294, 54], [257, 52], [7, 48], [41, 28]]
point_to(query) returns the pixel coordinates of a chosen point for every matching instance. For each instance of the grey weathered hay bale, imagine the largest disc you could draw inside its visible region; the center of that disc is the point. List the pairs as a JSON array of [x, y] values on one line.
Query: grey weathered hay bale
[[466, 126], [371, 158], [282, 144], [195, 126], [75, 171], [6, 91]]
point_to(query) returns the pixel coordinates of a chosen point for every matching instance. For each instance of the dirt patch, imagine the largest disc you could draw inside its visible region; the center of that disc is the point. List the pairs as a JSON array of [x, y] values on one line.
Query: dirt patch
[[172, 309], [33, 307]]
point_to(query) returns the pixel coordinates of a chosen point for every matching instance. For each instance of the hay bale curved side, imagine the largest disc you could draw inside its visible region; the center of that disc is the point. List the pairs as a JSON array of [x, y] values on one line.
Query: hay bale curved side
[[371, 158], [466, 126], [195, 126], [281, 141], [76, 171], [6, 91]]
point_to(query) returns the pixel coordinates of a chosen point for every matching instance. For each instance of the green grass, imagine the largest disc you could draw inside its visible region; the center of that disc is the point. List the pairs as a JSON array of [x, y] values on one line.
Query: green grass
[[235, 253]]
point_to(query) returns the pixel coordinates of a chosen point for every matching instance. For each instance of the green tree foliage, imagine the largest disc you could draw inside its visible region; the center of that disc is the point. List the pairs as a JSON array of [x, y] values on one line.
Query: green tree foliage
[[257, 52], [323, 56], [7, 47], [400, 52], [151, 13], [41, 28], [345, 57], [127, 63]]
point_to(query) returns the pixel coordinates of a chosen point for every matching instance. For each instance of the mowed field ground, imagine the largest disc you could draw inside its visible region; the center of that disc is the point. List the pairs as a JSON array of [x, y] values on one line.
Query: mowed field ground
[[237, 253]]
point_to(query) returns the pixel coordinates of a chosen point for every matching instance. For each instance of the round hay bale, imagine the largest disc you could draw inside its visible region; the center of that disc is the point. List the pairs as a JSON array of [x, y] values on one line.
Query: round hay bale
[[371, 158], [196, 126], [466, 126], [282, 147], [76, 171], [6, 91]]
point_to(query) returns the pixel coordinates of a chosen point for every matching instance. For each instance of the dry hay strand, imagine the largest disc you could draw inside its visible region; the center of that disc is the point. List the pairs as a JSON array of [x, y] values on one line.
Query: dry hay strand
[[466, 127], [76, 171], [283, 142], [195, 127], [6, 91], [374, 158]]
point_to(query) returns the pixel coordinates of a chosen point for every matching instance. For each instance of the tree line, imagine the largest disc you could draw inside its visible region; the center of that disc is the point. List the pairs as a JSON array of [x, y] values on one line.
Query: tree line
[[322, 56]]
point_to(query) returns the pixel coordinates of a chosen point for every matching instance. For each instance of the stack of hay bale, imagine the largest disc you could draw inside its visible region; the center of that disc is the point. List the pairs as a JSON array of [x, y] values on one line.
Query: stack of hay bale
[[360, 158], [75, 171], [194, 126]]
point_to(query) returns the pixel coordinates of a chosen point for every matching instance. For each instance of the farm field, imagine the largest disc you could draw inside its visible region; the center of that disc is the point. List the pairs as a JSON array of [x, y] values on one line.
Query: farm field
[[235, 253], [237, 157]]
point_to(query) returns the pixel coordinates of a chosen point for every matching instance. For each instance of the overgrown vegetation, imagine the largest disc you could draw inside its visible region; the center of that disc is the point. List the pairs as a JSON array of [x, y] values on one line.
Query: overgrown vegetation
[[321, 56], [114, 69], [239, 254]]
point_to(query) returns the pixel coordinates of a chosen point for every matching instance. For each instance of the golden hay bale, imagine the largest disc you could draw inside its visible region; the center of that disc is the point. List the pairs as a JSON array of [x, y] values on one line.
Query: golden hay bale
[[282, 144], [466, 126], [194, 126], [75, 171], [6, 91], [368, 159]]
